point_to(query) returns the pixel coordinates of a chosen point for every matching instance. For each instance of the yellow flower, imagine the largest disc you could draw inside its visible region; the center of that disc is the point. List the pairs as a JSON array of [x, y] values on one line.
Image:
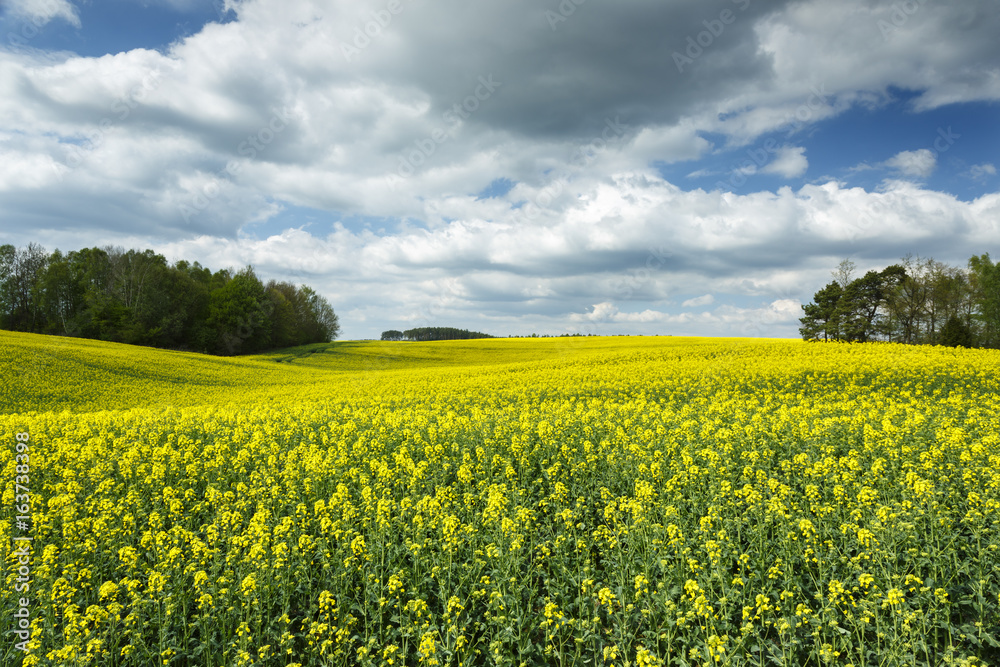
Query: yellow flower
[[109, 589], [607, 598], [249, 585], [427, 648]]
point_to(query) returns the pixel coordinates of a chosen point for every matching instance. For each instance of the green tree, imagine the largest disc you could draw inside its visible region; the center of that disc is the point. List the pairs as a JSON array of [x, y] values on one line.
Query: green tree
[[860, 307], [855, 311], [22, 287], [183, 323], [136, 297], [284, 332], [956, 333], [316, 319], [138, 282], [984, 278], [104, 314], [820, 318], [8, 257], [239, 313], [906, 302], [329, 323], [62, 295], [442, 333]]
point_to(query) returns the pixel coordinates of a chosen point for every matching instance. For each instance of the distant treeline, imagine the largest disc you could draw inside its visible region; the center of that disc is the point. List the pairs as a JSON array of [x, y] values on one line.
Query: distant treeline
[[137, 297], [918, 301], [433, 333]]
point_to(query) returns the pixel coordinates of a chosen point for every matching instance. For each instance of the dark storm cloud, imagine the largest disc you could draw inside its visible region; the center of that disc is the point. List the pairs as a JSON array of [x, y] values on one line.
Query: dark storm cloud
[[562, 77]]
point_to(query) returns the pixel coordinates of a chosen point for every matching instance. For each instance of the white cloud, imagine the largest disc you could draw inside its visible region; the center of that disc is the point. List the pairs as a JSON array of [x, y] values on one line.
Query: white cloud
[[670, 144], [765, 320], [756, 245], [979, 172], [41, 12], [789, 161], [842, 47], [917, 164], [597, 224], [355, 121], [862, 166], [705, 300]]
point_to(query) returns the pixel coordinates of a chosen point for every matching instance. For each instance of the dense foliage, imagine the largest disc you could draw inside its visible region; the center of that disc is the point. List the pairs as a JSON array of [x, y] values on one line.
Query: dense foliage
[[601, 501], [916, 301], [137, 297], [432, 333]]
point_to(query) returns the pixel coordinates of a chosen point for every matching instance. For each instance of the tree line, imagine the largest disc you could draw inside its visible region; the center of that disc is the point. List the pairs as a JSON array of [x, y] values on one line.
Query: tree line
[[917, 301], [433, 333], [137, 297]]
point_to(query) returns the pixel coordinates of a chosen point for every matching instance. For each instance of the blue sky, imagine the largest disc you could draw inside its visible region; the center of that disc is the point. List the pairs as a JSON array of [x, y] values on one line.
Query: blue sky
[[113, 26], [692, 167], [855, 146]]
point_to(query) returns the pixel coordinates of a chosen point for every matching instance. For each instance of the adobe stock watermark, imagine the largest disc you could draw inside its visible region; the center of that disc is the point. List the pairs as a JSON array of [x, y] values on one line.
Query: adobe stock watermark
[[697, 44], [372, 29], [249, 149], [881, 206], [429, 314], [900, 16], [583, 155], [888, 204], [806, 111], [23, 549], [31, 27], [121, 109], [740, 172], [566, 9], [411, 160], [626, 286], [623, 288], [571, 341], [246, 327], [765, 151]]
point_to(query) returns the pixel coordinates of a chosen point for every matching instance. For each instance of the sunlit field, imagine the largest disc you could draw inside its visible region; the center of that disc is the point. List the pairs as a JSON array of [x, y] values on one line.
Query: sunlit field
[[598, 501]]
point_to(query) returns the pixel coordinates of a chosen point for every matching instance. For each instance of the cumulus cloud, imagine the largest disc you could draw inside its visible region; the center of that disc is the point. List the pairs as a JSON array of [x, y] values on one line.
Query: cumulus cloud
[[914, 164], [705, 300], [790, 162], [761, 320], [41, 12], [402, 135], [512, 276], [979, 172], [364, 121]]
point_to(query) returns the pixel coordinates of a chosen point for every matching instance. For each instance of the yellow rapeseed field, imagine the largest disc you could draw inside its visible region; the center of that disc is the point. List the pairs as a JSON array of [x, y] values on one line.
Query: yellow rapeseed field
[[599, 501]]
